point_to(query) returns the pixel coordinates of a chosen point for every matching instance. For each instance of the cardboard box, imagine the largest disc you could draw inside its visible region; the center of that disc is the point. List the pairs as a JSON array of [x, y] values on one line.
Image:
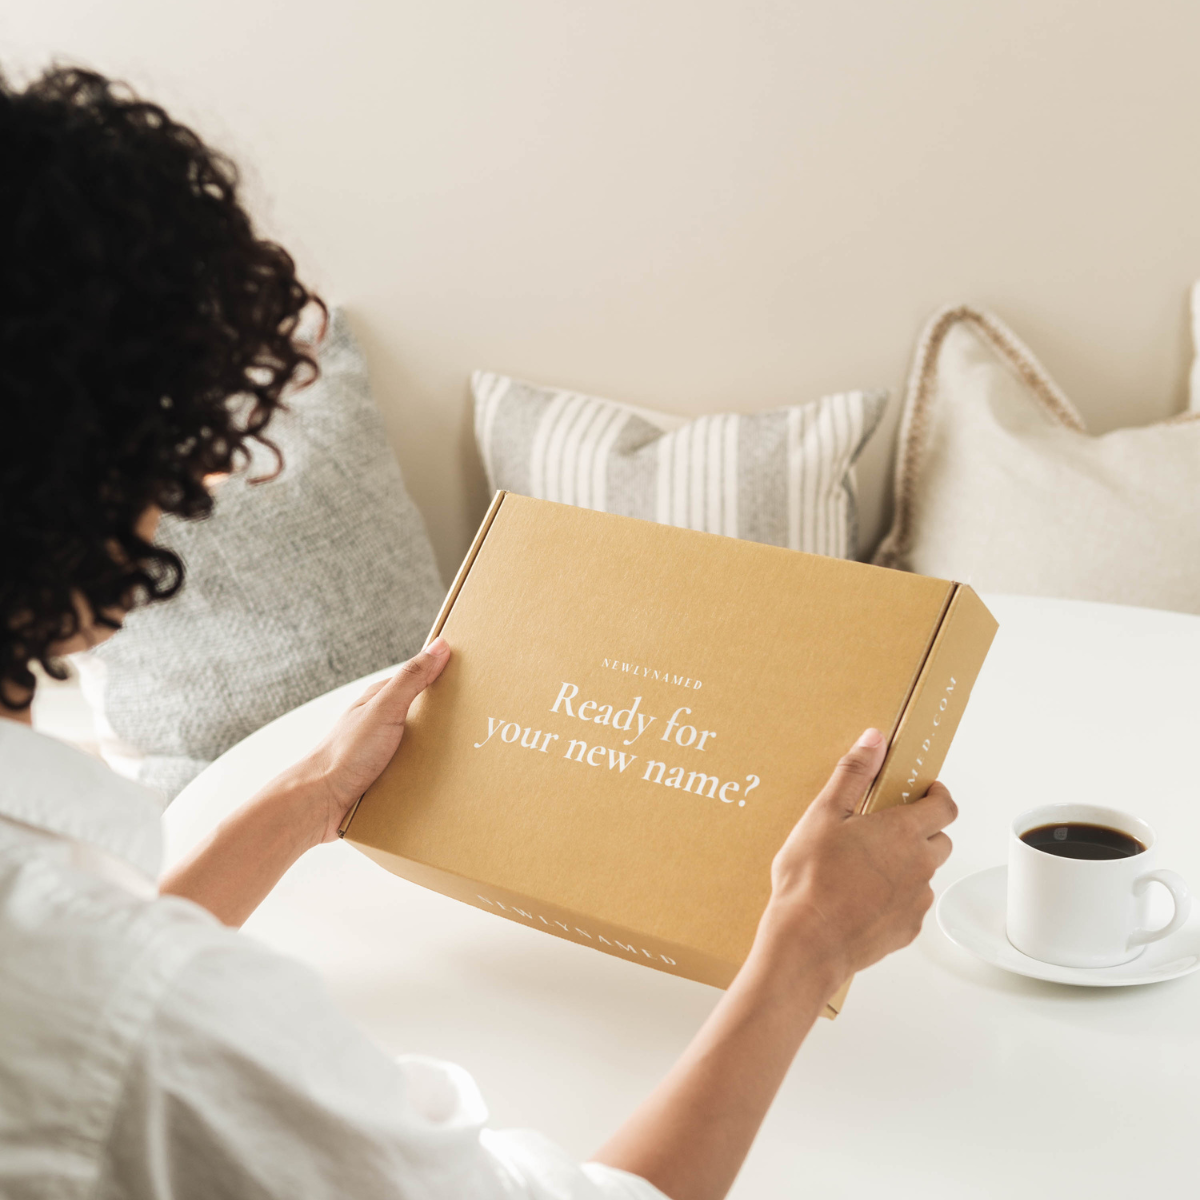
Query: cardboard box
[[634, 716]]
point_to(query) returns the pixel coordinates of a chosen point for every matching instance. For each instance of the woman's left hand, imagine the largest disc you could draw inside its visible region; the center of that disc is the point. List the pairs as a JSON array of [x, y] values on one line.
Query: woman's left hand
[[232, 871], [368, 733]]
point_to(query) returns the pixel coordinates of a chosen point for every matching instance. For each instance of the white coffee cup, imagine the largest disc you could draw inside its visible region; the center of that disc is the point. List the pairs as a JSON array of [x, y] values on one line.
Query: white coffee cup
[[1085, 912]]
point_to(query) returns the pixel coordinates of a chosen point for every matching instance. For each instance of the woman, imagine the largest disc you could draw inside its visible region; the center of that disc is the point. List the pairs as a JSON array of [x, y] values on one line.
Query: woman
[[147, 336]]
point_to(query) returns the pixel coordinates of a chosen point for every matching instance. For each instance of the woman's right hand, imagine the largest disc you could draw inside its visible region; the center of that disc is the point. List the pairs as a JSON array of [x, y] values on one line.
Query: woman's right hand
[[849, 888], [845, 890]]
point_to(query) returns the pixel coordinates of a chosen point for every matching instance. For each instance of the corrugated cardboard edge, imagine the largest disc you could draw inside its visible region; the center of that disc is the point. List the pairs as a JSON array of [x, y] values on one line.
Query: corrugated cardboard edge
[[937, 703], [468, 562], [933, 712], [931, 716], [451, 596], [834, 1005]]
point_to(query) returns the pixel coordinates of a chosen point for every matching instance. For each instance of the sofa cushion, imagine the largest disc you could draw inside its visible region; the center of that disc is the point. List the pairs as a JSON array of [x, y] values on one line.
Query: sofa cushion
[[999, 484], [294, 586], [784, 477]]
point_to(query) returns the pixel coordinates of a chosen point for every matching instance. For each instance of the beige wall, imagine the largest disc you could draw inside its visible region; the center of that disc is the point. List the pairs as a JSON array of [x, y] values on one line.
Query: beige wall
[[693, 205]]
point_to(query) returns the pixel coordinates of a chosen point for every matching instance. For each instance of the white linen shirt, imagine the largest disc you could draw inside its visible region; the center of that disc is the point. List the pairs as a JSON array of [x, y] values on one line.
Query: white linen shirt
[[149, 1053]]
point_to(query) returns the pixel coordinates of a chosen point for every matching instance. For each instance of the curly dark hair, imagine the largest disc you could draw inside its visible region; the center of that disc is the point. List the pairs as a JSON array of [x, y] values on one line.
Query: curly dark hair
[[147, 335]]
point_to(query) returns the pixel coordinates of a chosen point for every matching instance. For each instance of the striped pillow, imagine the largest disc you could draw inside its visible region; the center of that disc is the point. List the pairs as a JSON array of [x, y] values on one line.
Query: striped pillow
[[784, 477]]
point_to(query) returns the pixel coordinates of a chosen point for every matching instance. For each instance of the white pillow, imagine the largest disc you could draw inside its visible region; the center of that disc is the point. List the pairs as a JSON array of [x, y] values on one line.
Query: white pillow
[[784, 477], [999, 484], [1194, 380]]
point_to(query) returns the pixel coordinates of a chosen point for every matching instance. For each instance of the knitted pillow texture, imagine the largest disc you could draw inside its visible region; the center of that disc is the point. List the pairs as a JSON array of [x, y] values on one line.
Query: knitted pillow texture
[[293, 587], [999, 484], [784, 477]]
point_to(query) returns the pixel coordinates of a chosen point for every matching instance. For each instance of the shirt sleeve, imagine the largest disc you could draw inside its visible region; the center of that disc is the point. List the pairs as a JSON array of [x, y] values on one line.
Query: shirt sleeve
[[249, 1083]]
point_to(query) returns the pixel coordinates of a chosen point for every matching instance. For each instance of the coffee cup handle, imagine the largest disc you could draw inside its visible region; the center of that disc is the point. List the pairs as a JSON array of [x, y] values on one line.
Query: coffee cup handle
[[1179, 893]]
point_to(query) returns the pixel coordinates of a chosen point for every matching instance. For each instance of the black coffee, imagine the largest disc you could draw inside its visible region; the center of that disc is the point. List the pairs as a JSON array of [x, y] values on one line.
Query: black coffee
[[1077, 840]]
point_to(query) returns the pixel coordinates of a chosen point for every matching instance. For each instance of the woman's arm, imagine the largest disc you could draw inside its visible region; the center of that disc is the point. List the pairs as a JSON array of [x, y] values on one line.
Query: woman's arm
[[233, 870], [846, 890]]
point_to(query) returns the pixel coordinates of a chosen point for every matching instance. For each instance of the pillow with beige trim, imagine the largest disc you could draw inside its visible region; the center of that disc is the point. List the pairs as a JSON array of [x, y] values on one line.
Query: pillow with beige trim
[[784, 477], [1194, 378], [999, 484]]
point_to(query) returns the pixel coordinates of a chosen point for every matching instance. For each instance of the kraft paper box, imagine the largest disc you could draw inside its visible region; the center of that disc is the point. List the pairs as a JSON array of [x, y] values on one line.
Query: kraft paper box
[[634, 716]]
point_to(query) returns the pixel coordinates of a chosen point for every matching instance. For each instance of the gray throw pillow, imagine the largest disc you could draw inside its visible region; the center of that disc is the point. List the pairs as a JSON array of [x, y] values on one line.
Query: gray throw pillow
[[784, 477], [294, 586]]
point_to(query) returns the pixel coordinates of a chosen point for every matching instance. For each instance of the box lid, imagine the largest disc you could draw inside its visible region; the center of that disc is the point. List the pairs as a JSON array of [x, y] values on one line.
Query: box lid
[[634, 716]]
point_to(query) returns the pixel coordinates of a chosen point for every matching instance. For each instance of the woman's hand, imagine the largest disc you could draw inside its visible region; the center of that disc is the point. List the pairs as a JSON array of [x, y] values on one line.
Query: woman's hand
[[235, 868], [855, 887], [366, 737], [845, 890]]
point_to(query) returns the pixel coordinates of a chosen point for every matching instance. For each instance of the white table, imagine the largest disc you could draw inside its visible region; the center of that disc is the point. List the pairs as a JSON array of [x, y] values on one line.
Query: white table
[[942, 1078]]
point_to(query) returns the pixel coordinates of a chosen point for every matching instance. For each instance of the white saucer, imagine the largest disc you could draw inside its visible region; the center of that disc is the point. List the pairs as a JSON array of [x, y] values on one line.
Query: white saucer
[[971, 915]]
